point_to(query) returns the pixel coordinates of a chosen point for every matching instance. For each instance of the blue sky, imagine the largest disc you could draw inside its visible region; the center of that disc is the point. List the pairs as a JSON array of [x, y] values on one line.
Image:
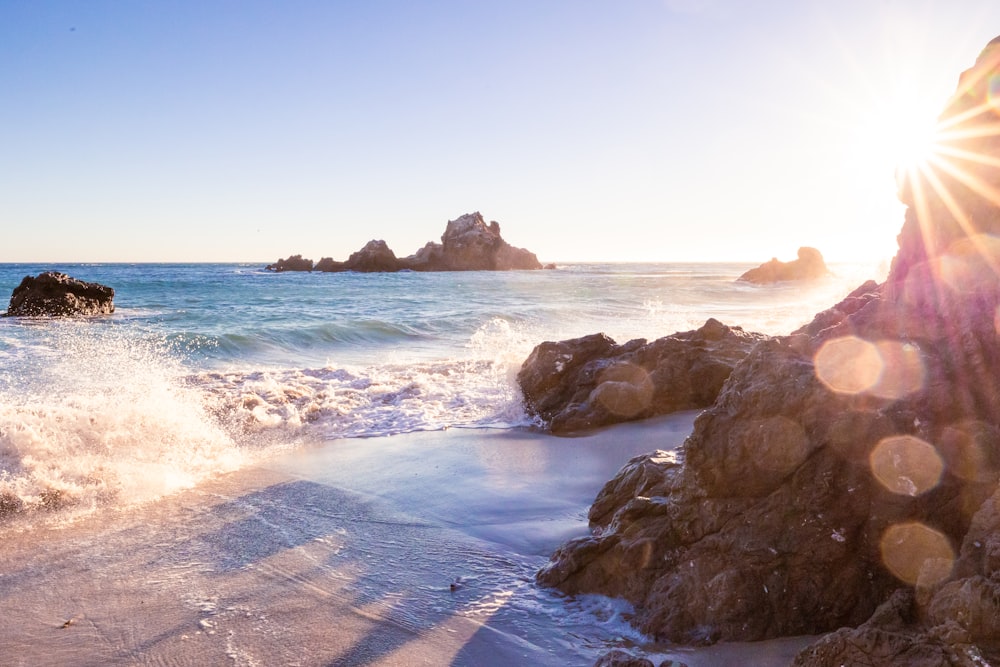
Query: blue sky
[[614, 130]]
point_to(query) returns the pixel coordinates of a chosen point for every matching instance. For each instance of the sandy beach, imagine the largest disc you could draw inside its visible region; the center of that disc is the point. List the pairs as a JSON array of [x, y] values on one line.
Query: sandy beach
[[417, 549]]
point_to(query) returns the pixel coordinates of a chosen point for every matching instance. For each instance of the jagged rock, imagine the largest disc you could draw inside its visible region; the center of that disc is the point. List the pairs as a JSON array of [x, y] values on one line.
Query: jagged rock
[[293, 263], [808, 266], [57, 294], [468, 244], [374, 257], [588, 382], [619, 658], [847, 474]]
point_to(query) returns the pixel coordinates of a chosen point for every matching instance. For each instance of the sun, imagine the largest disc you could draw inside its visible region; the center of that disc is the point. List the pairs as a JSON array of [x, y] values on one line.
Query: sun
[[899, 133]]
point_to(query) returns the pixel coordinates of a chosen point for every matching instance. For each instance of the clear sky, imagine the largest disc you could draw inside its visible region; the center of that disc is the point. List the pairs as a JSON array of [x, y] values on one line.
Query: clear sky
[[619, 130]]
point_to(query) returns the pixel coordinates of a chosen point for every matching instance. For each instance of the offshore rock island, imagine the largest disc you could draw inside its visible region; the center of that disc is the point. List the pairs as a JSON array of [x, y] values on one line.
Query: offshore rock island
[[468, 244], [845, 479]]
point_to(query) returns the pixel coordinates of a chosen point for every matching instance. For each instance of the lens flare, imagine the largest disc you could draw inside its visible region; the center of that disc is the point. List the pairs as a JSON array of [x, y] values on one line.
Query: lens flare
[[906, 465], [888, 369], [624, 389], [917, 554], [902, 369], [848, 365], [993, 93]]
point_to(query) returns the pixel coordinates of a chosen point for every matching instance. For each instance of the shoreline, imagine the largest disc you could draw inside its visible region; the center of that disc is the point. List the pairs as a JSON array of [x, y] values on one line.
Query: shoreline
[[411, 549]]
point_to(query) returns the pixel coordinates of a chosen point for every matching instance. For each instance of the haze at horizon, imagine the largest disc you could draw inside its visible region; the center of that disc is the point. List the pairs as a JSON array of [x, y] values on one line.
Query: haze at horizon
[[647, 130]]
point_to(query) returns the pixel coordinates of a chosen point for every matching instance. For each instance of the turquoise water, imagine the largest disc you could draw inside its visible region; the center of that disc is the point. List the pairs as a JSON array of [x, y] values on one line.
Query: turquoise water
[[206, 367]]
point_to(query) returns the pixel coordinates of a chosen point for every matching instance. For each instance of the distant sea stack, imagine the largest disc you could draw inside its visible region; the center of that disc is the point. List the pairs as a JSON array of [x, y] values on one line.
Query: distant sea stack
[[468, 244], [53, 294], [847, 478], [808, 266]]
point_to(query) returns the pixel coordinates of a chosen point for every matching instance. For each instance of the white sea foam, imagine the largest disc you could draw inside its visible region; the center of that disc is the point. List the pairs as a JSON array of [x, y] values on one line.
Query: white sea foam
[[104, 420]]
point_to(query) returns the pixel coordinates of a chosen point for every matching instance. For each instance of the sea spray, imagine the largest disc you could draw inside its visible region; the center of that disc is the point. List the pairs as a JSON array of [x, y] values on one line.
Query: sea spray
[[99, 415]]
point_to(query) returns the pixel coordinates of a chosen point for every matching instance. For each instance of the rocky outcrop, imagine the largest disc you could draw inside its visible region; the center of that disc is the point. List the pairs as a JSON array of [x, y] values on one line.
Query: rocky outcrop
[[57, 294], [375, 257], [847, 474], [468, 244], [293, 263], [808, 266], [588, 382]]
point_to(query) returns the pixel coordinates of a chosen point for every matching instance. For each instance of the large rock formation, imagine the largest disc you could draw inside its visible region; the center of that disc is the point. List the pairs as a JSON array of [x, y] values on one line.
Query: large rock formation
[[57, 294], [847, 475], [808, 266], [584, 383], [468, 244]]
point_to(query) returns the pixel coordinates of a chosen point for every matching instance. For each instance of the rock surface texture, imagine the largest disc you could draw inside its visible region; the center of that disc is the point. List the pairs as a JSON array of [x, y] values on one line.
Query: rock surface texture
[[57, 294], [588, 382], [845, 481], [468, 244], [809, 266]]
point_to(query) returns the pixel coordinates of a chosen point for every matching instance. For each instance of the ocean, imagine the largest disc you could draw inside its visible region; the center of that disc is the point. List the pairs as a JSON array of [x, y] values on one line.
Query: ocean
[[385, 411], [205, 367]]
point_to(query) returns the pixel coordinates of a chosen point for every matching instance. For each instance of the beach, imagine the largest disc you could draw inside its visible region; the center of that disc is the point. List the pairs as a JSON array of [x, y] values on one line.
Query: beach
[[413, 549], [244, 468]]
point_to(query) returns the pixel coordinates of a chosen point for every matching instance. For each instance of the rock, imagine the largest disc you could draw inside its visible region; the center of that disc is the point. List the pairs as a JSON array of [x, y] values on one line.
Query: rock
[[468, 244], [57, 294], [619, 658], [293, 263], [847, 474], [589, 382], [808, 266], [375, 257]]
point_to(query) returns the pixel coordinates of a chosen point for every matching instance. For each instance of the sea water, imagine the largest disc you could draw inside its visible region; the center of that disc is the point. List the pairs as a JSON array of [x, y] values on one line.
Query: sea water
[[211, 368], [204, 368]]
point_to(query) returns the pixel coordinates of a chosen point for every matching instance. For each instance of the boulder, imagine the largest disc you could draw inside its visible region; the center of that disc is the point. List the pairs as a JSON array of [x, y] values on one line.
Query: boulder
[[57, 294], [847, 474], [584, 383], [808, 266], [293, 263]]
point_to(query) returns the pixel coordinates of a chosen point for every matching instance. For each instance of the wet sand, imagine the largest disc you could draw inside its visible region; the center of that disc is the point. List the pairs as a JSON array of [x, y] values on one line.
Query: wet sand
[[410, 550]]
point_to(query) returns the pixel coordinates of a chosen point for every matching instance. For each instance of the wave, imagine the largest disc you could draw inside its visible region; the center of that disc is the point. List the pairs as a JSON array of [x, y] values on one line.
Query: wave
[[94, 416]]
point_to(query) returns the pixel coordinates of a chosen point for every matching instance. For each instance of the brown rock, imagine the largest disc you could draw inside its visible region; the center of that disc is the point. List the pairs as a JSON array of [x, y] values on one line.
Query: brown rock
[[589, 382], [808, 266], [57, 294], [293, 263], [468, 244], [847, 475]]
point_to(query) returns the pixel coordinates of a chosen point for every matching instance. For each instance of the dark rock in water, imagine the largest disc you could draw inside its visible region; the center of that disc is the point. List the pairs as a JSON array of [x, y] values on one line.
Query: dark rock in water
[[293, 263], [847, 474], [808, 266], [468, 244], [57, 294], [375, 257], [588, 382]]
